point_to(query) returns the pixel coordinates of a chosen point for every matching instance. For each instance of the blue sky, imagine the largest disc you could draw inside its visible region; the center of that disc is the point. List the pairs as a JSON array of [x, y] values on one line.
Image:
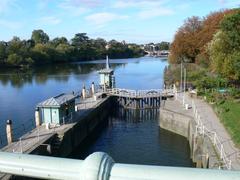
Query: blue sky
[[139, 21]]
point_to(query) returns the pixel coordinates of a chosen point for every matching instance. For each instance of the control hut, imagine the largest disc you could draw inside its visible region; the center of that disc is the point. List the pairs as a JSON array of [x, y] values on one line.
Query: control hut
[[107, 79], [57, 109]]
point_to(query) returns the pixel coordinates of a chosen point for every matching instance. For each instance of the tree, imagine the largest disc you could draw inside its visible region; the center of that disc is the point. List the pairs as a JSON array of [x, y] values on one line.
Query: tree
[[224, 49], [211, 25], [163, 46], [14, 60], [56, 41], [79, 39], [3, 52], [39, 36], [185, 46]]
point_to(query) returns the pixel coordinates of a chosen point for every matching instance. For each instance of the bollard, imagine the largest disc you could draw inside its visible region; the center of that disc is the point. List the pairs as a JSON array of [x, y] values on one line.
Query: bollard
[[37, 118], [84, 92], [9, 131], [93, 88]]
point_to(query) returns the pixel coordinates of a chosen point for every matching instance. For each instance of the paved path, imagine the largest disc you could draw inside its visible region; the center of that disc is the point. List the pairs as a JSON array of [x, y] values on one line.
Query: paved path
[[212, 123]]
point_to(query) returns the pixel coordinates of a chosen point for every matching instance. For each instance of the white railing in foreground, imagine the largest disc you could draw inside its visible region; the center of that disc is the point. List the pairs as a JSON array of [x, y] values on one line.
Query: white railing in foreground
[[203, 130], [100, 166]]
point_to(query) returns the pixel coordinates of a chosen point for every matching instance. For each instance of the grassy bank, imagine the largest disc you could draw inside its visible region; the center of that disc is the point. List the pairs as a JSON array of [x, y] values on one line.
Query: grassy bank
[[229, 113]]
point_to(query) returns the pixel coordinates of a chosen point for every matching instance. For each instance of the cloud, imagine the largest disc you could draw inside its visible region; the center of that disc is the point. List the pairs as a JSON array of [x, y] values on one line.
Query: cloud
[[142, 4], [49, 20], [101, 19], [151, 13], [229, 3], [5, 5], [146, 8], [10, 24], [88, 3], [73, 8]]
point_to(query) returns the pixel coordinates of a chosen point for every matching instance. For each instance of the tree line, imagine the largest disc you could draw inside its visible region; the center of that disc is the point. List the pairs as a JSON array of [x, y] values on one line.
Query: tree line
[[41, 50], [212, 42]]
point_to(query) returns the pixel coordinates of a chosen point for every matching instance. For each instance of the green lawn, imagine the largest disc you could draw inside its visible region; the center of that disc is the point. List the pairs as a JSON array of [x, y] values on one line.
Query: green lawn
[[229, 113]]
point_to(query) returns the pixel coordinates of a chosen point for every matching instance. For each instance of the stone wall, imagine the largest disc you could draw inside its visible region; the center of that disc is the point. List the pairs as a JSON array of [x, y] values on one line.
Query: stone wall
[[202, 151]]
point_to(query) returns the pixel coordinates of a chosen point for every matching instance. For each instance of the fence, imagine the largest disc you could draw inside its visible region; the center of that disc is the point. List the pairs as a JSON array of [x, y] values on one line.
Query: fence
[[204, 131]]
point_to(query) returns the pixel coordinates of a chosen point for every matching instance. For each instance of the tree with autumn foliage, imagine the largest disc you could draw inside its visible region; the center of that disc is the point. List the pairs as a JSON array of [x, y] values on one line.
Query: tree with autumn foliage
[[191, 40], [185, 45], [224, 49], [211, 25]]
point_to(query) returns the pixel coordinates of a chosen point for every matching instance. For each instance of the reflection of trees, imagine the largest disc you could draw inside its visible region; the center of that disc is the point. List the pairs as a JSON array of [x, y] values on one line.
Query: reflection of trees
[[41, 74]]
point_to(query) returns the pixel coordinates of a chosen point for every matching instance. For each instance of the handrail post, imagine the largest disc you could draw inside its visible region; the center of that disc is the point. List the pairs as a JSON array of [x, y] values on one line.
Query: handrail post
[[221, 152], [21, 149]]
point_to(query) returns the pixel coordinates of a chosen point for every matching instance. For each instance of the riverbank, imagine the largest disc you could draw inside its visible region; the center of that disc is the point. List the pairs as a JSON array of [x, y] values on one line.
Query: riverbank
[[206, 134], [221, 94]]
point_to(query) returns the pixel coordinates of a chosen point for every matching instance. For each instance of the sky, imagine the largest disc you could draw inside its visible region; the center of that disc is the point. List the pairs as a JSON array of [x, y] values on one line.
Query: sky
[[137, 21]]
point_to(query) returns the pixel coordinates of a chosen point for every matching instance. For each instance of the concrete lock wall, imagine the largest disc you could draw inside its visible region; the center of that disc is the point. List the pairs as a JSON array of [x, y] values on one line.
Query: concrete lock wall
[[202, 150], [81, 130]]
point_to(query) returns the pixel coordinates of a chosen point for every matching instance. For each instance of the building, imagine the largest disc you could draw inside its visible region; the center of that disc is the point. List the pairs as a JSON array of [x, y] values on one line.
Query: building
[[57, 109], [107, 79]]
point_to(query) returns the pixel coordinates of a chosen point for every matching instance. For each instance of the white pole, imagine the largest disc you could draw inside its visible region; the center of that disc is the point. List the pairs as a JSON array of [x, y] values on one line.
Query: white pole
[[184, 85], [21, 145], [181, 78]]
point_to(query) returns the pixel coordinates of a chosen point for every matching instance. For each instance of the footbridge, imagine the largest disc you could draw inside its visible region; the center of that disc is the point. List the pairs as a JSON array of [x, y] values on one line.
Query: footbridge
[[140, 99]]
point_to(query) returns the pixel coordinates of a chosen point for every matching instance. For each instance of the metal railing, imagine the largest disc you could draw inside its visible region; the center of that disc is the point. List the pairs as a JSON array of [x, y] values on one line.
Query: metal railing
[[212, 135], [100, 166], [140, 93]]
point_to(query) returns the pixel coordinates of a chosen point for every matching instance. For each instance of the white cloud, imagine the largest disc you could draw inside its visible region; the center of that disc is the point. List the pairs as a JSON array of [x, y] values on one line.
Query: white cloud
[[49, 20], [73, 9], [10, 24], [101, 19], [151, 13], [146, 8], [5, 5], [229, 3], [142, 4]]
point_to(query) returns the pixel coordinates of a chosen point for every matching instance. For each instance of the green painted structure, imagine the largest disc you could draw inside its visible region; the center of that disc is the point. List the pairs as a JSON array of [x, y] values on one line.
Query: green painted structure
[[107, 79], [54, 110]]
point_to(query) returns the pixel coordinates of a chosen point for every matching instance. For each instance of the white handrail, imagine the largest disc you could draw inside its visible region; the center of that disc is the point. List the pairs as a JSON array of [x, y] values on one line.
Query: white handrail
[[100, 166], [201, 129]]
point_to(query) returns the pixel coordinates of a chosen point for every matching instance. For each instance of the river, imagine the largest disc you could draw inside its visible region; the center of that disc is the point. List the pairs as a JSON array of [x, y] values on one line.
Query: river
[[126, 137]]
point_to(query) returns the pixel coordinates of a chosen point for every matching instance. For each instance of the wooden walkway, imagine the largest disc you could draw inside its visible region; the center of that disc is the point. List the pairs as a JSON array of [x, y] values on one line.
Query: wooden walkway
[[140, 93], [142, 99]]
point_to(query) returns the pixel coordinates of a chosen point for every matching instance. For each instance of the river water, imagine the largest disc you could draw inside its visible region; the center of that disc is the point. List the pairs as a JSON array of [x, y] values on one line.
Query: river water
[[128, 136]]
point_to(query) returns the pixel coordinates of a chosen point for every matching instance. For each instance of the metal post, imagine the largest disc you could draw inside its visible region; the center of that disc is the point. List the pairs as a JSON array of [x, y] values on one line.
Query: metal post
[[9, 131], [184, 85], [181, 78], [38, 133], [37, 118], [215, 139], [221, 152], [21, 145], [93, 89]]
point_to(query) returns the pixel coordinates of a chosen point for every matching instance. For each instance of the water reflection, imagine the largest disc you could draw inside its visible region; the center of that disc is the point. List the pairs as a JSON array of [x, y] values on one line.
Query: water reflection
[[40, 75], [134, 137]]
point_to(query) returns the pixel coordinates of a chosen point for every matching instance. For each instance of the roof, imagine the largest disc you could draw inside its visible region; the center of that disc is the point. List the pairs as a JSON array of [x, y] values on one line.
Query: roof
[[105, 71], [57, 101]]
